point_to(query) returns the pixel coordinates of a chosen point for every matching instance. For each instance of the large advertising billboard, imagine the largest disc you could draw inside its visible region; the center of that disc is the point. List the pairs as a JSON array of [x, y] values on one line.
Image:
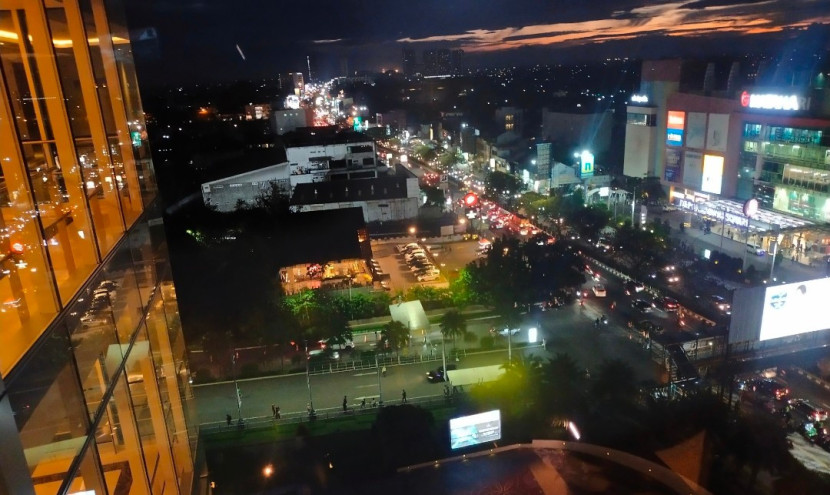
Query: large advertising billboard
[[712, 174], [796, 308], [692, 169], [672, 171], [717, 132], [476, 429], [696, 130]]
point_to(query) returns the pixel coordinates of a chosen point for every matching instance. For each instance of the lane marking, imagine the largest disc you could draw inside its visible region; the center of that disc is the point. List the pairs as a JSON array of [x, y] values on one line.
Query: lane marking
[[366, 374]]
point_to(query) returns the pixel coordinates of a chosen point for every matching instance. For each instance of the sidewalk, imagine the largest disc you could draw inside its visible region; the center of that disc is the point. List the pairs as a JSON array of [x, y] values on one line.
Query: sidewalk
[[787, 270]]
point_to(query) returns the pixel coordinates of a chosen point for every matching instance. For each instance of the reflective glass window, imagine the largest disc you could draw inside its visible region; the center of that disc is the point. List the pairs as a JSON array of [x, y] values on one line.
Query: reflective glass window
[[88, 477], [46, 399], [119, 446]]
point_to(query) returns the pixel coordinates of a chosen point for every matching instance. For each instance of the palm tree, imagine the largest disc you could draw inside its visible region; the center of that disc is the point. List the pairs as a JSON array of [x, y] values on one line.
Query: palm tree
[[453, 324], [563, 386], [394, 336]]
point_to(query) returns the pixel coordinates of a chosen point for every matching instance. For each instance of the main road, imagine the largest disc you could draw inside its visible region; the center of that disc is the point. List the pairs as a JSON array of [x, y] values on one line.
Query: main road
[[569, 329]]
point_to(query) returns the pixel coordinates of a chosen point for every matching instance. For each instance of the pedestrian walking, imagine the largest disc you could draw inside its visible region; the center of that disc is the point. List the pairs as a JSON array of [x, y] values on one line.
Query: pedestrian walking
[[363, 403], [345, 404], [374, 403], [228, 419], [383, 371], [277, 412], [403, 396], [274, 410]]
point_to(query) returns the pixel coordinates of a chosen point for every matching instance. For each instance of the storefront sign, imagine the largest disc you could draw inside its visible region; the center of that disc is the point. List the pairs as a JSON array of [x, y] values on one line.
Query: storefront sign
[[639, 99], [771, 101]]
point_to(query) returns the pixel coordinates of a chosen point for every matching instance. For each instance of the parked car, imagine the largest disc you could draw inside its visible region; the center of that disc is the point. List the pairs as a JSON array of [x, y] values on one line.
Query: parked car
[[403, 248], [437, 375], [428, 275]]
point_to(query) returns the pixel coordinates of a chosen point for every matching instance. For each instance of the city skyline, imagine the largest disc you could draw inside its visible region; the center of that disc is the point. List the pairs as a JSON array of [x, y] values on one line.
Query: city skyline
[[262, 40]]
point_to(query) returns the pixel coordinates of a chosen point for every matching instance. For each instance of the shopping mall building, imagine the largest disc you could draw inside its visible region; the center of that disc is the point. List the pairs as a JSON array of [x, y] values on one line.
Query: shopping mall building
[[94, 392], [715, 148]]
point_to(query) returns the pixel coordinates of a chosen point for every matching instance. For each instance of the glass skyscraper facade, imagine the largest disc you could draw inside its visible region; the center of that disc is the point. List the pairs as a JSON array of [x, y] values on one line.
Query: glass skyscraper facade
[[94, 383]]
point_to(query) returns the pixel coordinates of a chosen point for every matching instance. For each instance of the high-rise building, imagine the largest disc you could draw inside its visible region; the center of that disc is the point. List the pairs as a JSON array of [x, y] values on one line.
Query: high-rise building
[[437, 62], [94, 393], [410, 66]]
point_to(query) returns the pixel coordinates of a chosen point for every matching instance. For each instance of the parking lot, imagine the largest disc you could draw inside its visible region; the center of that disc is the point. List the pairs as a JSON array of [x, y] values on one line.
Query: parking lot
[[446, 256]]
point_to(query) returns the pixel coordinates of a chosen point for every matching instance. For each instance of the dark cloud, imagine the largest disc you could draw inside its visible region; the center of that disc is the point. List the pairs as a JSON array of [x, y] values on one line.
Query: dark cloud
[[198, 38], [703, 4]]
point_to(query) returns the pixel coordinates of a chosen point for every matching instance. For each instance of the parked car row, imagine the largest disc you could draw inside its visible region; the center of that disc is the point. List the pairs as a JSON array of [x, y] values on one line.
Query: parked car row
[[419, 262]]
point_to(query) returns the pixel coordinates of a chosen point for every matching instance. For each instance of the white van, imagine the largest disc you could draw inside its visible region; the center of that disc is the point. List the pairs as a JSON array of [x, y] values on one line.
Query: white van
[[755, 249]]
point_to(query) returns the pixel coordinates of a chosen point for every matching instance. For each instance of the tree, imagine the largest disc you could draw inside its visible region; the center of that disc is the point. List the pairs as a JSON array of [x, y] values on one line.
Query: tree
[[562, 387], [302, 304], [499, 184], [615, 383], [394, 336], [453, 324], [434, 195]]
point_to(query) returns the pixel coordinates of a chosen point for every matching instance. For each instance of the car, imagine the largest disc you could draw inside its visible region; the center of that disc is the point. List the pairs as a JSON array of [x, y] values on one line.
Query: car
[[420, 266], [403, 248], [764, 389], [641, 305], [666, 303], [346, 345], [649, 328], [599, 290], [437, 375], [755, 249], [504, 332], [92, 319], [427, 277], [415, 255], [633, 287], [721, 304], [316, 354], [807, 411]]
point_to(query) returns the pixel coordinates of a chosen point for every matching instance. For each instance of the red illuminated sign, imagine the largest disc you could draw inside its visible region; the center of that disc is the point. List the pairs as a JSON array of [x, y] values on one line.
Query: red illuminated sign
[[676, 120], [470, 199]]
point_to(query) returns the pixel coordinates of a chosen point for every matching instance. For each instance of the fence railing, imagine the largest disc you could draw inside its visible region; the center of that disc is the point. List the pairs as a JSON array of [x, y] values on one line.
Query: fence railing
[[331, 413]]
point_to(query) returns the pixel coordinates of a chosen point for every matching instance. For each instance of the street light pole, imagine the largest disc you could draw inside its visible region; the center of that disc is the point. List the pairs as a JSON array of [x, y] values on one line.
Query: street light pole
[[308, 381], [380, 386], [236, 387]]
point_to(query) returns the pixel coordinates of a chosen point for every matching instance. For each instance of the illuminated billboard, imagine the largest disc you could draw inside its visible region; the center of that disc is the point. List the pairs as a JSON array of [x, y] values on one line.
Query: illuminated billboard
[[586, 168], [712, 174], [796, 308], [472, 430], [675, 124]]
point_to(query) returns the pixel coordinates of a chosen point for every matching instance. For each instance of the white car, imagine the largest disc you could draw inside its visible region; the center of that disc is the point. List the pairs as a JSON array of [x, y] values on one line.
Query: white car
[[415, 254], [599, 290], [402, 248], [428, 277]]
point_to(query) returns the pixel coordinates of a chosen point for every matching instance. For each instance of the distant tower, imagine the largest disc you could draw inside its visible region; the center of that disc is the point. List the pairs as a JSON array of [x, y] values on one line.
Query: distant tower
[[734, 74], [308, 63], [709, 78]]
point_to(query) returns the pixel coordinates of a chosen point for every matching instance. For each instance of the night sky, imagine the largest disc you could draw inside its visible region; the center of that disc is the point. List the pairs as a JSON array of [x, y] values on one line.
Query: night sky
[[197, 39]]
